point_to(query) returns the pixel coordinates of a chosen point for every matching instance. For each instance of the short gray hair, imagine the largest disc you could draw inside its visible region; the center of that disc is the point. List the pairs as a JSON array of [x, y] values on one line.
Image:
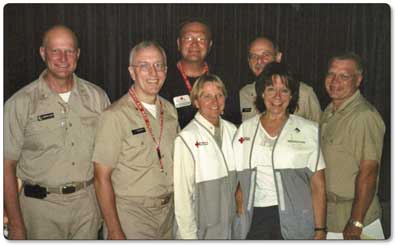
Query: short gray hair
[[144, 45]]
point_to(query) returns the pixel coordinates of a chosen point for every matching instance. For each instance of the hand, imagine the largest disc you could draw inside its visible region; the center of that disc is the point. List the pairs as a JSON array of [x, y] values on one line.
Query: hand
[[320, 235], [116, 235], [351, 232], [16, 232]]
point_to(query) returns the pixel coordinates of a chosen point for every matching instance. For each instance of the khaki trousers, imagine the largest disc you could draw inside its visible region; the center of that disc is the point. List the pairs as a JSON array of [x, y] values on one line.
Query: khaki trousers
[[145, 219], [59, 216]]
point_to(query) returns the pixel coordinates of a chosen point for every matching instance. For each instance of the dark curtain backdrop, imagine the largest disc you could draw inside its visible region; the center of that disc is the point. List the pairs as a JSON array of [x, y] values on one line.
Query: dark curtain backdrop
[[307, 34]]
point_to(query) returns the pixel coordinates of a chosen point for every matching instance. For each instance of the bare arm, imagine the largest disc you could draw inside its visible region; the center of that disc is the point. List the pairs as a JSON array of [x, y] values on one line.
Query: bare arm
[[16, 226], [319, 202], [365, 188], [106, 198]]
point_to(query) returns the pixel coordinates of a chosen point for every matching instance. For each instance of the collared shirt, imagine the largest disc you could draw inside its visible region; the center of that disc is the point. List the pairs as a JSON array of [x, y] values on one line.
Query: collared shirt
[[123, 142], [51, 140], [354, 132], [204, 180], [308, 104], [175, 91]]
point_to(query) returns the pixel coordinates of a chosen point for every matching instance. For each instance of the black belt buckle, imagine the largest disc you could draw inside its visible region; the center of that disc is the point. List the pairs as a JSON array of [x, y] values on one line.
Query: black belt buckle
[[68, 189]]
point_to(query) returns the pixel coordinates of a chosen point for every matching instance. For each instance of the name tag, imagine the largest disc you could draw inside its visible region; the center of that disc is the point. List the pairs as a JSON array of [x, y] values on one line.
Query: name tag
[[246, 110], [138, 131], [182, 101], [45, 116], [297, 141]]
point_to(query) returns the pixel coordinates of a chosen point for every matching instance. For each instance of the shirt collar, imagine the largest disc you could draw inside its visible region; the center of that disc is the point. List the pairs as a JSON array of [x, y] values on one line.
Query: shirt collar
[[206, 123], [347, 102]]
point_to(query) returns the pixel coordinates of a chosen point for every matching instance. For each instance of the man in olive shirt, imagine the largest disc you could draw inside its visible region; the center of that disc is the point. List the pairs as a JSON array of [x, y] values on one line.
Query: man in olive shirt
[[133, 153], [262, 51], [352, 133], [49, 128]]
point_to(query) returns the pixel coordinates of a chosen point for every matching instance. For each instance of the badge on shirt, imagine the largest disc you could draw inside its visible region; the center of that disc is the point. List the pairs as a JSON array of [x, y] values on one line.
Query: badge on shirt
[[242, 139], [246, 109], [138, 131], [197, 144], [45, 116], [182, 101]]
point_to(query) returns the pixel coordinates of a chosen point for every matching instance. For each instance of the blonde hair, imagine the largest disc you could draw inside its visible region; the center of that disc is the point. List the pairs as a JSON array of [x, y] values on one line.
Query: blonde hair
[[206, 78]]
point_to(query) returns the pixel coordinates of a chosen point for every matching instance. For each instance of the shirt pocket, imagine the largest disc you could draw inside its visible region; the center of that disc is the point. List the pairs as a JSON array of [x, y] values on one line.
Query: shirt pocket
[[138, 150], [44, 134], [88, 130]]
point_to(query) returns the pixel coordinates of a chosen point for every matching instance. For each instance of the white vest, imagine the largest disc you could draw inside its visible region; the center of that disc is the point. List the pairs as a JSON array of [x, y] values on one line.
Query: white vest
[[205, 150]]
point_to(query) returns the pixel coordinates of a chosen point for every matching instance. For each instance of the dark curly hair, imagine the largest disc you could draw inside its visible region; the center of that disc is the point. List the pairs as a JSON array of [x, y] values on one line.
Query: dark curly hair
[[265, 79]]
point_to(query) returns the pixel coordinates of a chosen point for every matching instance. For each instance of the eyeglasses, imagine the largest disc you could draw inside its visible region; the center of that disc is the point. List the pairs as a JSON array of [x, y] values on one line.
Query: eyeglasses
[[264, 55], [145, 67], [344, 77], [190, 39]]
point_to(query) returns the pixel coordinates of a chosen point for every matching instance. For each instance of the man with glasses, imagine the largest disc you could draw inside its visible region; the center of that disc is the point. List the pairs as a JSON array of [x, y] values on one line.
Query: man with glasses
[[194, 43], [133, 154], [262, 51], [49, 128], [352, 133]]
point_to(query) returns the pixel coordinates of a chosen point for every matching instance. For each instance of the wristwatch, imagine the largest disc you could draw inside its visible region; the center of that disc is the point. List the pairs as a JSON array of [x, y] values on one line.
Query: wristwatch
[[356, 223]]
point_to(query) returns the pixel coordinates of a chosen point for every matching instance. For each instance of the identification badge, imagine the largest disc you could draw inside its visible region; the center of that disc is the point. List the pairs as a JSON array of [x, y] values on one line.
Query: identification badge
[[246, 110], [45, 116], [182, 101], [138, 131]]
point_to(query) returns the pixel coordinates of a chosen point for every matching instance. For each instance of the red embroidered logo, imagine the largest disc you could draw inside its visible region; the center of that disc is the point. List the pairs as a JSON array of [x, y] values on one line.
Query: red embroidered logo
[[242, 139], [197, 144]]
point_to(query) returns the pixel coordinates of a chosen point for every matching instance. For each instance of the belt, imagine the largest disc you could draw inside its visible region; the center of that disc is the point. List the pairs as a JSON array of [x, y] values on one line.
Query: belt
[[152, 201], [333, 198], [63, 189]]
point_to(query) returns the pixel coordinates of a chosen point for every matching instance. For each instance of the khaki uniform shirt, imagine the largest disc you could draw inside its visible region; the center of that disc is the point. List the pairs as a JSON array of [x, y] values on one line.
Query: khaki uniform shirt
[[51, 140], [308, 104], [124, 143], [353, 133]]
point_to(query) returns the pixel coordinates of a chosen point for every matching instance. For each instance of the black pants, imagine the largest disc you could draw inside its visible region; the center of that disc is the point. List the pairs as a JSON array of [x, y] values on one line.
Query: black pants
[[265, 224]]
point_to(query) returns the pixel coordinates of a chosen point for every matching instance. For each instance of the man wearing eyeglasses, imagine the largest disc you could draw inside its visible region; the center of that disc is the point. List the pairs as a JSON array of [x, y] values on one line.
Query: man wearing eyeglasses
[[352, 133], [262, 51], [133, 154], [194, 43]]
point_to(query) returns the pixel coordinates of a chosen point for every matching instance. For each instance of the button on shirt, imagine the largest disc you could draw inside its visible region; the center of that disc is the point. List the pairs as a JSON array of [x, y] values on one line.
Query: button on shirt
[[51, 140], [124, 143], [353, 133]]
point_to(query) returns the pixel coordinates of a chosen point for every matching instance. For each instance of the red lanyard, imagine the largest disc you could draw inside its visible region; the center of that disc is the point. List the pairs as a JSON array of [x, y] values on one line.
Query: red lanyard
[[132, 94], [184, 76]]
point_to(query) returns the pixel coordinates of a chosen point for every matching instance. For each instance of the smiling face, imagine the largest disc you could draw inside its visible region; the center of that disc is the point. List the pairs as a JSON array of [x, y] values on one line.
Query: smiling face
[[210, 102], [148, 72], [194, 42], [342, 80], [277, 96], [60, 54], [261, 53]]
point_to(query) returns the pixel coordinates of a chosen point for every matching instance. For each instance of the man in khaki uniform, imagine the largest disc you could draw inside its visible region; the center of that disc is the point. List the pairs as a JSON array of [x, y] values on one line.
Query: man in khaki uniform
[[133, 153], [49, 128], [352, 133], [261, 52]]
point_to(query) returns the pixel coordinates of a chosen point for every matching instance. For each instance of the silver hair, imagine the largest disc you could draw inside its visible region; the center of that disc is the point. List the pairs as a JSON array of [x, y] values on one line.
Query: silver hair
[[144, 45]]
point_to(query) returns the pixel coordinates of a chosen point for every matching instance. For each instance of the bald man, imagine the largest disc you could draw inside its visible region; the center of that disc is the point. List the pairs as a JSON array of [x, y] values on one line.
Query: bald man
[[262, 51], [49, 128]]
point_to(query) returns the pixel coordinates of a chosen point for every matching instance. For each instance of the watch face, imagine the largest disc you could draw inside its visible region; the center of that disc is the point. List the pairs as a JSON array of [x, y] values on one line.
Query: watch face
[[357, 223]]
